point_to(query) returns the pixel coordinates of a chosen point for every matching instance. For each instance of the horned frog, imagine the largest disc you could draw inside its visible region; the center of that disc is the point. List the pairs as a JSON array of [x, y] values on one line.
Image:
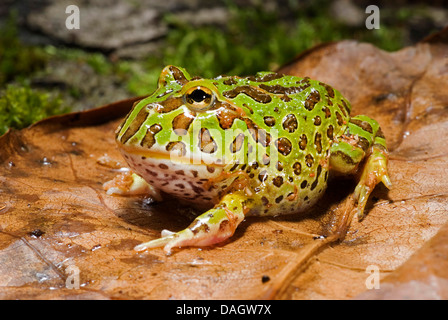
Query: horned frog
[[260, 145]]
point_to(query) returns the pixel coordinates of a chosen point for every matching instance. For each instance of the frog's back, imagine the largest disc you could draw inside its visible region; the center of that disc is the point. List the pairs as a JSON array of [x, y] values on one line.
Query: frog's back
[[293, 122]]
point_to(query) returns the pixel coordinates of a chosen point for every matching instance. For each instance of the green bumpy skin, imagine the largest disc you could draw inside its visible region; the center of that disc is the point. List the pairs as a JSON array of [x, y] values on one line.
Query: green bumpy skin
[[240, 146]]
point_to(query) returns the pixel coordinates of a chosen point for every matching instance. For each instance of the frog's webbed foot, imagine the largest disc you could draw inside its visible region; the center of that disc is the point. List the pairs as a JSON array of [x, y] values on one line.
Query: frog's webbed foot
[[363, 142], [128, 184], [213, 226], [374, 172]]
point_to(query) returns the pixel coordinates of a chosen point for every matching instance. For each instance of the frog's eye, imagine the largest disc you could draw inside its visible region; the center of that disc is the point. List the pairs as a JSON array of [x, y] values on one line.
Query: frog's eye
[[199, 98]]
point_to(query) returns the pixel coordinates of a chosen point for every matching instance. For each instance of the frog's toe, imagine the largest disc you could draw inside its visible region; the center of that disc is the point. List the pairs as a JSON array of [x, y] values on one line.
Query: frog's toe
[[362, 194], [386, 180], [169, 240], [157, 243], [374, 172], [166, 237]]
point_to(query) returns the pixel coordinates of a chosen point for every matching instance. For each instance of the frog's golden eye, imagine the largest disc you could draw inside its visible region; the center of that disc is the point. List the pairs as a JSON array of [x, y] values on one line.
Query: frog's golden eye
[[199, 98]]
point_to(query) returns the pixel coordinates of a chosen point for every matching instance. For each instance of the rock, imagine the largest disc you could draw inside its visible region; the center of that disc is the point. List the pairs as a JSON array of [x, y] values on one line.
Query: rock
[[108, 25], [348, 13], [206, 16], [79, 85]]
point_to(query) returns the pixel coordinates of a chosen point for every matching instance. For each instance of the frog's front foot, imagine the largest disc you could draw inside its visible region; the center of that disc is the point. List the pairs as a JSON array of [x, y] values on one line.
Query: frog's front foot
[[213, 226], [130, 184], [362, 141], [374, 172]]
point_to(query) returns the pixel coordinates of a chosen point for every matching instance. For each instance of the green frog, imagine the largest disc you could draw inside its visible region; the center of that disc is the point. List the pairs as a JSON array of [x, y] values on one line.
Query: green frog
[[232, 146]]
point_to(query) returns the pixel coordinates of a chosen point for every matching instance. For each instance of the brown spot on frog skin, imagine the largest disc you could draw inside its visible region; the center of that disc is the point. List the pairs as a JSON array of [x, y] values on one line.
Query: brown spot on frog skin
[[343, 110], [269, 121], [264, 201], [237, 143], [290, 123], [303, 141], [200, 226], [224, 225], [181, 123], [253, 92], [311, 100], [135, 125], [266, 77], [259, 135], [178, 147], [279, 89], [230, 81], [285, 98], [149, 138], [169, 105], [278, 181], [178, 75], [206, 142], [328, 88], [303, 184], [283, 145], [265, 159], [339, 119], [364, 125], [330, 132], [154, 174], [263, 176], [279, 166], [297, 167], [327, 112], [309, 160], [226, 114], [210, 169], [318, 172], [318, 142]]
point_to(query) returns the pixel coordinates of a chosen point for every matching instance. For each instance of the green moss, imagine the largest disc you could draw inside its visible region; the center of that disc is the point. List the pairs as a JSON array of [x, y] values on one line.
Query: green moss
[[96, 60], [17, 61], [20, 106]]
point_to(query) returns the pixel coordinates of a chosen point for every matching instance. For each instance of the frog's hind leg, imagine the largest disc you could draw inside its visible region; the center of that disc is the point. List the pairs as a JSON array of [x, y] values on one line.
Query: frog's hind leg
[[211, 227], [362, 149]]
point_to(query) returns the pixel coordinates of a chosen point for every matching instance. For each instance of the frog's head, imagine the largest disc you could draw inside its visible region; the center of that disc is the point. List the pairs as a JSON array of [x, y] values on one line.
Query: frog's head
[[179, 130], [184, 120]]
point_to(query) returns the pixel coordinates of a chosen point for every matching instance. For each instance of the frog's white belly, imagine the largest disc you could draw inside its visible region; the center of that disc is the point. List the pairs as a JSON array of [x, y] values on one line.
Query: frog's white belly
[[182, 180]]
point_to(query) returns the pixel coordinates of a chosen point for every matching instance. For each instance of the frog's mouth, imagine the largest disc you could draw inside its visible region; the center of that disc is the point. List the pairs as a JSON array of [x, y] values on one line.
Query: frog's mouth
[[176, 154]]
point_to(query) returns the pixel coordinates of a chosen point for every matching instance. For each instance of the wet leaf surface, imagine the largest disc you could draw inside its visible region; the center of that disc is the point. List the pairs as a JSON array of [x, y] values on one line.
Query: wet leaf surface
[[55, 218]]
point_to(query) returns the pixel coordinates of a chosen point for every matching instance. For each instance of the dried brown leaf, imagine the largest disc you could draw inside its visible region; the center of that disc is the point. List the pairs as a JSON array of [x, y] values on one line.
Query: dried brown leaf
[[55, 215]]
